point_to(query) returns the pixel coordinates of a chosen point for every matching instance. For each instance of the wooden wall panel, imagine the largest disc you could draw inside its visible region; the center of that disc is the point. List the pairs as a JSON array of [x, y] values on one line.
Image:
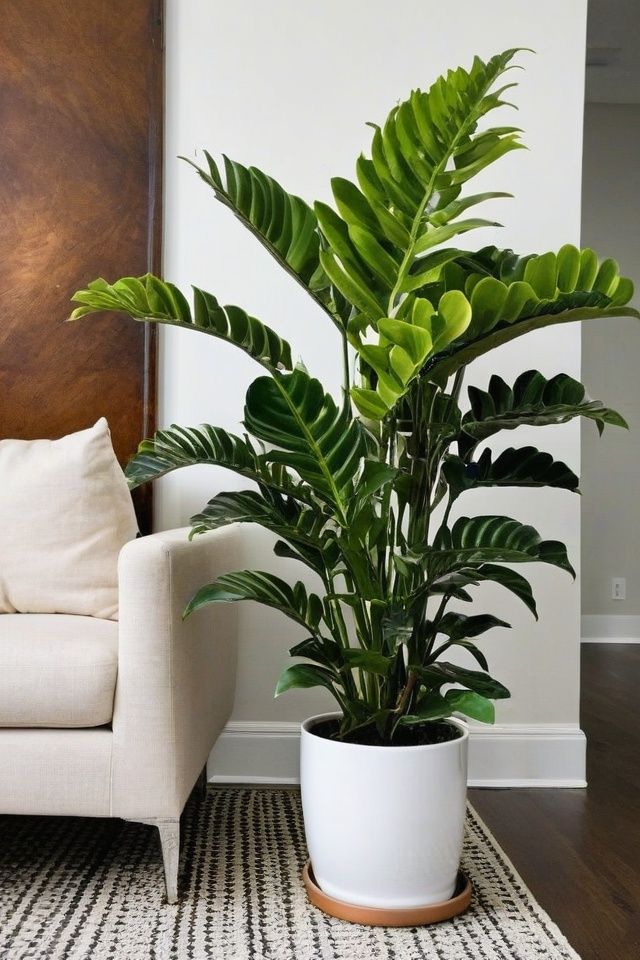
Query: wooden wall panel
[[80, 197]]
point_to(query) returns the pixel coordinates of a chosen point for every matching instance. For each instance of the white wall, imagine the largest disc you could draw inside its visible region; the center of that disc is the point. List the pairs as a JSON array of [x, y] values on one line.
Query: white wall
[[611, 351], [288, 86]]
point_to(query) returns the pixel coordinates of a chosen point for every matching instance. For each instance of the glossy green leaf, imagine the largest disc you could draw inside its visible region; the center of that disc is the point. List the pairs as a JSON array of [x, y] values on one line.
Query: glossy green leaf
[[437, 235], [406, 201], [375, 475], [404, 343], [310, 538], [458, 626], [356, 290], [467, 645], [283, 222], [472, 705], [453, 583], [514, 467], [318, 440], [431, 706], [178, 447], [476, 540], [304, 675], [150, 299], [243, 506], [370, 660], [294, 601], [532, 401], [525, 294], [322, 650], [442, 673], [369, 403]]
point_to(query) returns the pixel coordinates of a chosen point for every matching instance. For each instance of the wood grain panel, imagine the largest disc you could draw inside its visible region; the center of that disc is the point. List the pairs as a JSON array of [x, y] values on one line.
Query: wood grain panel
[[579, 850], [80, 167]]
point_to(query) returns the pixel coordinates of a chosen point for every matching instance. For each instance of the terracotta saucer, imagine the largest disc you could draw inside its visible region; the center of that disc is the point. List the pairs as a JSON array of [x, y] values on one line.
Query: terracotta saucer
[[381, 917]]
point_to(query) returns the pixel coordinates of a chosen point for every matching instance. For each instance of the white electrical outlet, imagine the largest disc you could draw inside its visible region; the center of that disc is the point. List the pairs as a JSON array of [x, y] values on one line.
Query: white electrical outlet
[[618, 588]]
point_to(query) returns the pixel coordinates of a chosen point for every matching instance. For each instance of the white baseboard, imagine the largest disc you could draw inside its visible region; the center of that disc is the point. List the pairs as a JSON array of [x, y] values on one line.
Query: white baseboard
[[527, 755], [256, 752], [505, 755], [610, 629]]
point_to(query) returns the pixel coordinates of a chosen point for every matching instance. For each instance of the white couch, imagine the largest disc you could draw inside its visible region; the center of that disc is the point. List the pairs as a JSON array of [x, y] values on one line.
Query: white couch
[[105, 718]]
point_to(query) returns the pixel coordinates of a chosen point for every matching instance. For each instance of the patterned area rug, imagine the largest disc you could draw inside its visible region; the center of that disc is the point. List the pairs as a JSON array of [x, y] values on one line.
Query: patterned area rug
[[73, 889]]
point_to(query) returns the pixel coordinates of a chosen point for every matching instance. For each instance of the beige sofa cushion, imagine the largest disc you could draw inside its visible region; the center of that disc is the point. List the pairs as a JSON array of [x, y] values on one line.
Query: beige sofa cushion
[[57, 670], [65, 514]]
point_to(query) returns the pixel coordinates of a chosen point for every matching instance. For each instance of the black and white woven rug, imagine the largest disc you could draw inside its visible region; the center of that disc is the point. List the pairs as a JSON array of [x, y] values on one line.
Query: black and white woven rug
[[73, 889]]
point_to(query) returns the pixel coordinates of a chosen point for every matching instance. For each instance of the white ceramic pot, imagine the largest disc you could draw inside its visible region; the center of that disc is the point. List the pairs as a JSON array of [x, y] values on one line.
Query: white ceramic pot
[[384, 825]]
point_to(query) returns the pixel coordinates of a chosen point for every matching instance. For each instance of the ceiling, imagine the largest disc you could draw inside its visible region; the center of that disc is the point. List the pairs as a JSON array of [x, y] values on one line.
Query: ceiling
[[613, 51]]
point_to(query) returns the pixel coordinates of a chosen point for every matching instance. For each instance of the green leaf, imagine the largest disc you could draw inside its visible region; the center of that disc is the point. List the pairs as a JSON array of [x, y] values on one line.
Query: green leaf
[[281, 221], [375, 475], [438, 235], [454, 316], [453, 583], [497, 150], [369, 404], [178, 447], [235, 326], [476, 540], [358, 292], [302, 526], [342, 245], [303, 676], [414, 340], [322, 650], [369, 660], [318, 440], [429, 269], [441, 673], [404, 343], [406, 199], [532, 401], [305, 609], [153, 300], [511, 295], [522, 467], [472, 705], [383, 265], [431, 706], [458, 626], [467, 645], [310, 555], [510, 580], [353, 206], [245, 506], [458, 206], [440, 368]]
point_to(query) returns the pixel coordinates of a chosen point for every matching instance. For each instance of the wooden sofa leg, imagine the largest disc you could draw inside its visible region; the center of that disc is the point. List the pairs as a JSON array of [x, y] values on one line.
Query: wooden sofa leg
[[169, 831]]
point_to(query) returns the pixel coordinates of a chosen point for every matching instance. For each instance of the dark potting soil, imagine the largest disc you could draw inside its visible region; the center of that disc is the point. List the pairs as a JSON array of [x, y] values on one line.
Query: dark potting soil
[[430, 732]]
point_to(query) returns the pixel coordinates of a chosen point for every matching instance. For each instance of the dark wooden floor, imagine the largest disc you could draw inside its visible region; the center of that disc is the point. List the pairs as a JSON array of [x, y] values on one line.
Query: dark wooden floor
[[579, 850]]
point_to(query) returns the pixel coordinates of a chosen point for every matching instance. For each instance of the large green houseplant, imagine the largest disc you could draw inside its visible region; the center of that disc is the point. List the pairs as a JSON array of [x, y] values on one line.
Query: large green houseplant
[[362, 488]]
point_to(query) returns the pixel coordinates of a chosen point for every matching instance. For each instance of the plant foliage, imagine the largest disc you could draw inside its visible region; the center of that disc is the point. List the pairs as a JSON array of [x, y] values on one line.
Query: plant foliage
[[361, 490]]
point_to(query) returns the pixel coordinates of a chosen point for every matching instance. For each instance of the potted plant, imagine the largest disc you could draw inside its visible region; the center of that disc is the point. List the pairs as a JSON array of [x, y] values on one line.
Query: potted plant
[[363, 489]]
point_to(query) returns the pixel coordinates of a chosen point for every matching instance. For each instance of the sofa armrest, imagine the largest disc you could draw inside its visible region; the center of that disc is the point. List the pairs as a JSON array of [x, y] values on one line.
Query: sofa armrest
[[176, 679]]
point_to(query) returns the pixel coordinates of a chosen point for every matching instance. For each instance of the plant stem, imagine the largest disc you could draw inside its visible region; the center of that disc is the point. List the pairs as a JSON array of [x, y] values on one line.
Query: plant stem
[[406, 692], [434, 628], [346, 380]]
